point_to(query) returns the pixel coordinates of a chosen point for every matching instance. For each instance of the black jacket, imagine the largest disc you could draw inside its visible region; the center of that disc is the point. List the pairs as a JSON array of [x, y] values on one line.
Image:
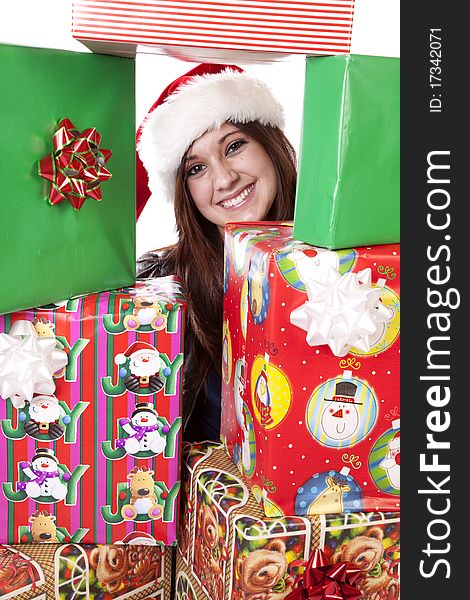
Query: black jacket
[[199, 405]]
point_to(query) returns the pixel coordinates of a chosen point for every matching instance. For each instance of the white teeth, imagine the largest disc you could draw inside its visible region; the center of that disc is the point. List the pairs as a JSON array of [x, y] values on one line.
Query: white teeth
[[238, 199]]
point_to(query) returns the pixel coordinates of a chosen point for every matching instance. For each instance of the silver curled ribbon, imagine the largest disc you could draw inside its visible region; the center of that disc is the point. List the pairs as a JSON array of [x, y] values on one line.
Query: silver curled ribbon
[[28, 363], [342, 311]]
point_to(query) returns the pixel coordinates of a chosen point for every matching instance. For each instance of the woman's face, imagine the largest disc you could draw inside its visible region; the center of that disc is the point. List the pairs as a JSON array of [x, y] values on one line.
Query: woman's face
[[230, 177]]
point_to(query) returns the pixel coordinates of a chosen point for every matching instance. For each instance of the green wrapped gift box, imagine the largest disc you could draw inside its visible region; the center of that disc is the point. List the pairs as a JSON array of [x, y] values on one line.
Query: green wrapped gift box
[[50, 252], [349, 177]]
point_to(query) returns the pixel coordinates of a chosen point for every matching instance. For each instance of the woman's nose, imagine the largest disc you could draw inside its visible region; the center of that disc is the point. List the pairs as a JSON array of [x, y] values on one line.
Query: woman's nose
[[224, 175]]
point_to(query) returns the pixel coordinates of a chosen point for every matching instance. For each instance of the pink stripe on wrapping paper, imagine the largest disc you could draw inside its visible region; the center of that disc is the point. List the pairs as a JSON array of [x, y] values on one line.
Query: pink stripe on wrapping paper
[[175, 411], [74, 320], [100, 433], [3, 463], [131, 400]]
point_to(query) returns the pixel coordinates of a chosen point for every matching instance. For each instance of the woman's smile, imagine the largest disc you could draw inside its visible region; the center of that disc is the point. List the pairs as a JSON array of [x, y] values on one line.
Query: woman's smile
[[239, 198]]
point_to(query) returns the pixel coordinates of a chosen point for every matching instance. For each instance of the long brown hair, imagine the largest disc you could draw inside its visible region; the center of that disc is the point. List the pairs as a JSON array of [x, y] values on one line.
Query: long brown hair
[[199, 253]]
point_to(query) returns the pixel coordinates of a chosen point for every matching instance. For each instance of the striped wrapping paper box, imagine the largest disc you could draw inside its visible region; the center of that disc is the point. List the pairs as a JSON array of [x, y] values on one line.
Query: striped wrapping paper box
[[97, 460], [282, 27], [84, 572]]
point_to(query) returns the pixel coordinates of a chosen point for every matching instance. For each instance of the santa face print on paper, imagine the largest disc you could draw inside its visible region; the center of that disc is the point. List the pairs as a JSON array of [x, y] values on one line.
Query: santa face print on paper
[[391, 462], [44, 416], [144, 364], [144, 367]]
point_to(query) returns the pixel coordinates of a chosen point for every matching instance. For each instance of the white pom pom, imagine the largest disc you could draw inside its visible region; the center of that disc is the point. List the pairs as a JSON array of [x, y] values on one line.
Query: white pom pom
[[120, 359]]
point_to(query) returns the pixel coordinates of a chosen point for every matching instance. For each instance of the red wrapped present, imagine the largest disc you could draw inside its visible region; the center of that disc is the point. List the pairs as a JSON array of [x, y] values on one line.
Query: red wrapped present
[[311, 371]]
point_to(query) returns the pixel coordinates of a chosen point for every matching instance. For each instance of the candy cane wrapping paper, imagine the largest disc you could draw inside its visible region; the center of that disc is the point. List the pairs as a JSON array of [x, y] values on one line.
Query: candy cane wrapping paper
[[259, 26]]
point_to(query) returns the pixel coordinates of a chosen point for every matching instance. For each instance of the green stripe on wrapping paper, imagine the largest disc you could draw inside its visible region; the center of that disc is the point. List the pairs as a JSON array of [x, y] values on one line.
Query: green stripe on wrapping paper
[[9, 457], [11, 475], [96, 413], [153, 398], [109, 427]]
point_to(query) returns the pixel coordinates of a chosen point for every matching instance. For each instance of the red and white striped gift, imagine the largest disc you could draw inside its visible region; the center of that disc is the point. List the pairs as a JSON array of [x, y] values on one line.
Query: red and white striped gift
[[286, 27]]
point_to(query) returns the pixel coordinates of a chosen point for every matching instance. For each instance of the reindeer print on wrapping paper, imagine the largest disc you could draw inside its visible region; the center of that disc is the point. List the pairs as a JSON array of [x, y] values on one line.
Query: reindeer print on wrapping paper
[[330, 500]]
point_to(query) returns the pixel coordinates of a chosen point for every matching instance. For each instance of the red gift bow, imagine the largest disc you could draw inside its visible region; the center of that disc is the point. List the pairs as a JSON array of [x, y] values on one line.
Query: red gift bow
[[322, 581], [76, 167]]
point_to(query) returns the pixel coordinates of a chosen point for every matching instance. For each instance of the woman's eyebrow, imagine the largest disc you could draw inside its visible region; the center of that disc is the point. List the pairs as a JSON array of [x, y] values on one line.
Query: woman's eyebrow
[[220, 141], [224, 137]]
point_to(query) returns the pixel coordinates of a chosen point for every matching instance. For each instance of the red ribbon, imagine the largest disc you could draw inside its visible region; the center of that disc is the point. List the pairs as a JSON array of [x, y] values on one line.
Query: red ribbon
[[76, 167], [322, 581]]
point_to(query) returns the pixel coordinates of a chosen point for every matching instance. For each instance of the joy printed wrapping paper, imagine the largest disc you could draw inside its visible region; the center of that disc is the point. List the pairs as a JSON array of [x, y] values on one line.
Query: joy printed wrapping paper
[[311, 371], [90, 417], [229, 549], [135, 571]]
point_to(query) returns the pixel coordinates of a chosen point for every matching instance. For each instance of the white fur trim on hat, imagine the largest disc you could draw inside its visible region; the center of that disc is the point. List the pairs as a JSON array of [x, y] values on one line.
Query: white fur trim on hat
[[202, 104]]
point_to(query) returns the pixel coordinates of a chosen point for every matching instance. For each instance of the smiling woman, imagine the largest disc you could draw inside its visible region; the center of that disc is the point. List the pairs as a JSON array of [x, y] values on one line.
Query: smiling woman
[[213, 144]]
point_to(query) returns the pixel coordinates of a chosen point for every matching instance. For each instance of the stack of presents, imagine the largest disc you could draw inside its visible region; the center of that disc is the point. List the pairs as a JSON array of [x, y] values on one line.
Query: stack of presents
[[98, 497]]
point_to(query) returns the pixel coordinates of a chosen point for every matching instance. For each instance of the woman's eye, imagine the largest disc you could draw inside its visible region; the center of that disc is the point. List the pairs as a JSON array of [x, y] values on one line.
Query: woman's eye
[[234, 146], [194, 170]]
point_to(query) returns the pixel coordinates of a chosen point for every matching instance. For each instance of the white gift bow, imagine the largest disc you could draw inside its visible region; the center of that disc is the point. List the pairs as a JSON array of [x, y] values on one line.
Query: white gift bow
[[28, 363], [342, 311]]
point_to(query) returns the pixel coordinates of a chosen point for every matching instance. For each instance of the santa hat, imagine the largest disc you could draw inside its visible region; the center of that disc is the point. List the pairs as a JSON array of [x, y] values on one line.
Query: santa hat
[[42, 397], [134, 348], [144, 407], [42, 453], [201, 100], [138, 538]]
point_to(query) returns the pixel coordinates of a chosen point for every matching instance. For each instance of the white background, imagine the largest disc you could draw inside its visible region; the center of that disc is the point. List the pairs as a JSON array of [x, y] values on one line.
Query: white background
[[47, 23]]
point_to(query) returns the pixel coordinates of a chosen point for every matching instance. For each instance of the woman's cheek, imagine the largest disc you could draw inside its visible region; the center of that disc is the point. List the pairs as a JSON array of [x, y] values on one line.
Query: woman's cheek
[[200, 190]]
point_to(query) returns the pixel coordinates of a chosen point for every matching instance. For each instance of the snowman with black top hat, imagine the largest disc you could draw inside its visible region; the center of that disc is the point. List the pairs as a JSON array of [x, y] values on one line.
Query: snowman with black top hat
[[145, 431], [340, 417], [44, 476]]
